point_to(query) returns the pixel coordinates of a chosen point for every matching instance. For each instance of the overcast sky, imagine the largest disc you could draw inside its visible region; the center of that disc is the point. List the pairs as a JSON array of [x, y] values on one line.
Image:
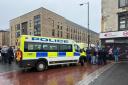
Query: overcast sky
[[69, 9]]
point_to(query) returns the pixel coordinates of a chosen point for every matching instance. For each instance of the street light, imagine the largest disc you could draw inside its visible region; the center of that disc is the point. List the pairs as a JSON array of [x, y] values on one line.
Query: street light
[[88, 23]]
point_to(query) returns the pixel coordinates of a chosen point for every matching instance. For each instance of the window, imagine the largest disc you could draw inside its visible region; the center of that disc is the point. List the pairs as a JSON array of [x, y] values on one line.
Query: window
[[17, 30], [53, 23], [61, 34], [67, 28], [68, 36], [71, 30], [40, 47], [30, 23], [50, 47], [123, 3], [71, 36], [18, 27], [58, 34], [77, 48], [46, 47], [37, 25], [32, 47], [123, 21], [65, 48], [53, 32], [24, 26], [61, 27], [57, 26]]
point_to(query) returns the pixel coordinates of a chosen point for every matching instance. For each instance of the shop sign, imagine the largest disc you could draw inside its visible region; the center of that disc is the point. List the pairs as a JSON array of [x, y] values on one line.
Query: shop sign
[[114, 34]]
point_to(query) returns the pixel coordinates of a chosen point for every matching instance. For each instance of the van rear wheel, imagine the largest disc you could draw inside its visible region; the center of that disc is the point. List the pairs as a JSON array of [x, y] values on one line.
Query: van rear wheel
[[41, 66]]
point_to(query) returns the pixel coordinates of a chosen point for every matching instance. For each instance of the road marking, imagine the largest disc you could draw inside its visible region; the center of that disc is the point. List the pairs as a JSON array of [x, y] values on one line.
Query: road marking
[[91, 77]]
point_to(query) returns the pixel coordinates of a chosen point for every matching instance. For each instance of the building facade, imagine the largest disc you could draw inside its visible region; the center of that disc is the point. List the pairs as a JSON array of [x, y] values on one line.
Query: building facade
[[4, 37], [114, 29], [42, 22]]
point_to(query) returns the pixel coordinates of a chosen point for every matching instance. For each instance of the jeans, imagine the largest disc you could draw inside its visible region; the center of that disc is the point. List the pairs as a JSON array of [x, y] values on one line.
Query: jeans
[[88, 58], [93, 60], [116, 58]]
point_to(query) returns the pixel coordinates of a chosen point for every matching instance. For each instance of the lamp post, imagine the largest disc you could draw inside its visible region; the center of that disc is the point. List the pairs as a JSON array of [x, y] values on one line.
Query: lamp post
[[88, 23]]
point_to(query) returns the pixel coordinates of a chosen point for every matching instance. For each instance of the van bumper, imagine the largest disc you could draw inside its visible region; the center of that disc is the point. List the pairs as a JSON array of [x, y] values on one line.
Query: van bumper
[[27, 63]]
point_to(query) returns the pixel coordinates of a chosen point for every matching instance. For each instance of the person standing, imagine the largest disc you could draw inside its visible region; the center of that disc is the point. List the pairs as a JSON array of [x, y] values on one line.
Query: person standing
[[110, 53], [104, 56], [4, 54], [96, 54], [116, 54], [88, 52], [10, 55], [82, 57], [100, 56], [93, 54]]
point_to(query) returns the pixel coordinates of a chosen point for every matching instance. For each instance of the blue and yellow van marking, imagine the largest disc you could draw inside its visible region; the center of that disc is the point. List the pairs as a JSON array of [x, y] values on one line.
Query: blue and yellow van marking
[[41, 54], [57, 54], [62, 54], [76, 54]]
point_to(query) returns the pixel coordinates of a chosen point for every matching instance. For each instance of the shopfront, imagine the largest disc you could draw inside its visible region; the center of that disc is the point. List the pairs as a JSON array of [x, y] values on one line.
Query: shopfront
[[116, 39]]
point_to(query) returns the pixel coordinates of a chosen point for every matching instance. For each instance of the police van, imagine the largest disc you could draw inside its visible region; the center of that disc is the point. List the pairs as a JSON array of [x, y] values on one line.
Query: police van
[[41, 52]]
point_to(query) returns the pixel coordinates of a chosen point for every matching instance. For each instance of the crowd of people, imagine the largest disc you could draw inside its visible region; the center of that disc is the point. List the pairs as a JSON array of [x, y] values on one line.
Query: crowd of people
[[90, 55], [98, 56], [7, 54]]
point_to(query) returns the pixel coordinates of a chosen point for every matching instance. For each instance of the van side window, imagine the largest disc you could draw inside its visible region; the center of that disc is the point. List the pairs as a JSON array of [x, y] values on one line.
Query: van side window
[[47, 47], [65, 48], [77, 48], [50, 47], [32, 47]]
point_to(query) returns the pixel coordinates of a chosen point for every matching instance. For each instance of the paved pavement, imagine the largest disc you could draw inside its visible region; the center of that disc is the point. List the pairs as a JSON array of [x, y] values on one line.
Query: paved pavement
[[116, 75], [8, 68]]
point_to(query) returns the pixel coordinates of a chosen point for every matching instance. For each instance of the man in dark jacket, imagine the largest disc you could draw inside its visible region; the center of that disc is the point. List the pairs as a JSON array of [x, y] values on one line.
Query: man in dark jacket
[[4, 53], [100, 57], [88, 53], [10, 55], [104, 56]]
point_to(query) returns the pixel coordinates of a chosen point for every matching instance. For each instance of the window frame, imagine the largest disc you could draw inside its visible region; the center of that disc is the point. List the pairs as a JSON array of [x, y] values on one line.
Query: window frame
[[42, 49], [77, 48], [37, 25], [125, 15], [126, 4], [71, 50]]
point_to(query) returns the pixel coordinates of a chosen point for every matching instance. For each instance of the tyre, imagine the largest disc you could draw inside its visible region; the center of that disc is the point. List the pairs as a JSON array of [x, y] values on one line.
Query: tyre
[[41, 66]]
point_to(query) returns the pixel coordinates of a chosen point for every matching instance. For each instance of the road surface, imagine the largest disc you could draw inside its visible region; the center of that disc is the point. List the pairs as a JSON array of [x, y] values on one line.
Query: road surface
[[66, 75], [116, 75]]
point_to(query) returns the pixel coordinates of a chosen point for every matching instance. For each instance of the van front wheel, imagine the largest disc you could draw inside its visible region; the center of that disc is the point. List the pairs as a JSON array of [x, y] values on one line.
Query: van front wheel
[[41, 66]]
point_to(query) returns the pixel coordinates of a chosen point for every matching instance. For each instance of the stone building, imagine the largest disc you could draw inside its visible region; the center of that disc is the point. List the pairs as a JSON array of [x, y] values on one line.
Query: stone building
[[4, 37], [42, 22], [114, 29]]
